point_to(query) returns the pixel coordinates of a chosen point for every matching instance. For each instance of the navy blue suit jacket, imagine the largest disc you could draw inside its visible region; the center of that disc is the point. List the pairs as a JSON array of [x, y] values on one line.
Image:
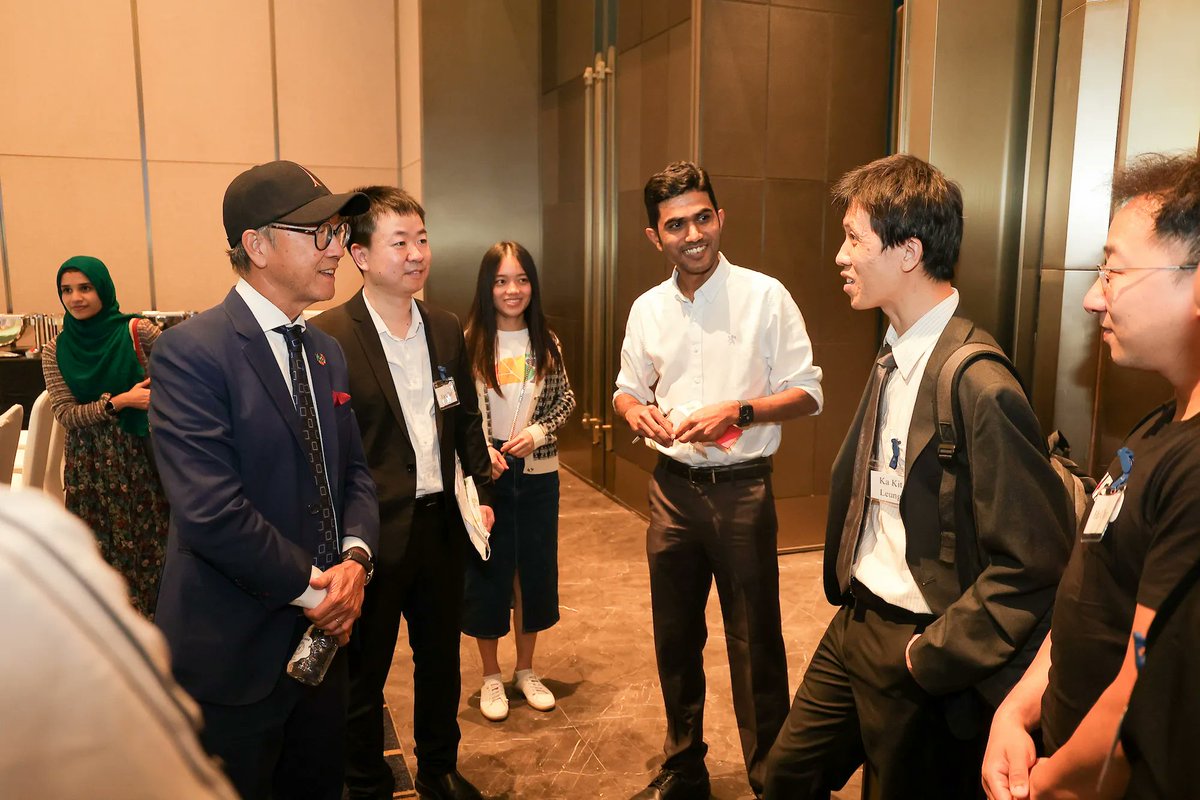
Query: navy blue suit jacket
[[243, 501]]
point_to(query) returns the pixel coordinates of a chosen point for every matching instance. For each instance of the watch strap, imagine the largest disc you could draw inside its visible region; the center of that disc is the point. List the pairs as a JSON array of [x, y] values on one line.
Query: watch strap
[[357, 555]]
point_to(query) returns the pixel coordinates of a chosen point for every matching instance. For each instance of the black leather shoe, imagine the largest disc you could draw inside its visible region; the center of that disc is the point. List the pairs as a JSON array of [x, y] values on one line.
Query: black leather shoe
[[672, 785], [451, 786]]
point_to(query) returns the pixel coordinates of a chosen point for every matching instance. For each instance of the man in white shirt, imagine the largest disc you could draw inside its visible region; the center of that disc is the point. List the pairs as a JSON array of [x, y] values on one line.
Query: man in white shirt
[[727, 354], [411, 386], [274, 518], [935, 625]]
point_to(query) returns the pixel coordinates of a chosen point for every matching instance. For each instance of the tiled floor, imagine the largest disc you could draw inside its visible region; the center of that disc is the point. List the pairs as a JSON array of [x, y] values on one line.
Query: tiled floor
[[604, 739]]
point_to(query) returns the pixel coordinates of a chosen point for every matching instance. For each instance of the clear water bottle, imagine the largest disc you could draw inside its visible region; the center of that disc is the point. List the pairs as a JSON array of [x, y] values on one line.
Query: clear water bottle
[[313, 656]]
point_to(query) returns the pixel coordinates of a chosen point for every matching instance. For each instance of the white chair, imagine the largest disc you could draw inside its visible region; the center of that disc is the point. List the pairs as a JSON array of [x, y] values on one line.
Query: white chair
[[54, 461], [37, 443], [10, 440]]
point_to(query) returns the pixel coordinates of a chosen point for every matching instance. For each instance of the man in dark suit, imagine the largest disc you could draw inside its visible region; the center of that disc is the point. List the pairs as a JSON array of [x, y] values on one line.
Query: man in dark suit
[[934, 626], [413, 390], [273, 511]]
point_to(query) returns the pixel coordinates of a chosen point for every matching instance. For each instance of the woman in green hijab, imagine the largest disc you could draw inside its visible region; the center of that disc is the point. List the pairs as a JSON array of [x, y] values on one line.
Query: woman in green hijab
[[96, 375]]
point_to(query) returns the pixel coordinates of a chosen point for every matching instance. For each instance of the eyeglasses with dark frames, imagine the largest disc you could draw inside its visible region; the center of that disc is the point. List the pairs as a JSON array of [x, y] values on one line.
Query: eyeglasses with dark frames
[[322, 234]]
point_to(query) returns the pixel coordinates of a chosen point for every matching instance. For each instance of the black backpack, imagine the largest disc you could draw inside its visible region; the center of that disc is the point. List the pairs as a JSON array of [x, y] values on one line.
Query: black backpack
[[1077, 484]]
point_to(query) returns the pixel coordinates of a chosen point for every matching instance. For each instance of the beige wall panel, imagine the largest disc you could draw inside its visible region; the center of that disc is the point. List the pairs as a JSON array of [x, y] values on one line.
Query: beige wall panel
[[629, 121], [679, 96], [410, 180], [798, 88], [206, 81], [343, 179], [1162, 111], [191, 271], [793, 231], [742, 201], [69, 87], [733, 88], [105, 220], [337, 82], [408, 26]]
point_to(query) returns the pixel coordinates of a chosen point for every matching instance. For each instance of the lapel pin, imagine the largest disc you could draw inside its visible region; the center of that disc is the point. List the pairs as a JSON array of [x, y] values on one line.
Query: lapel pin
[[321, 359]]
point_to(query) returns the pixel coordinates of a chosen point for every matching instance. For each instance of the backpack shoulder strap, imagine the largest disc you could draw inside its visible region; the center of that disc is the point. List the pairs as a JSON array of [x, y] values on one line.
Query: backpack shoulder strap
[[948, 411]]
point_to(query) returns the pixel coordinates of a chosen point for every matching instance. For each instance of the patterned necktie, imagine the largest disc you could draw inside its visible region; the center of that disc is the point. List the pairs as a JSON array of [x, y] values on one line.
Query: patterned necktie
[[311, 433], [855, 514]]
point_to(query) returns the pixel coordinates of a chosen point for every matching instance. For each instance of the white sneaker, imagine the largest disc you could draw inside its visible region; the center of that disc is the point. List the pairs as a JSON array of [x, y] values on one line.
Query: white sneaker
[[536, 693], [493, 700]]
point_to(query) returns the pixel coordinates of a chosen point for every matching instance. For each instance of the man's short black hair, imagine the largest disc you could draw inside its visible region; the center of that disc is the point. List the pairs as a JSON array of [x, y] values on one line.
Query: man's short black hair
[[383, 199], [678, 178], [907, 198], [1173, 181]]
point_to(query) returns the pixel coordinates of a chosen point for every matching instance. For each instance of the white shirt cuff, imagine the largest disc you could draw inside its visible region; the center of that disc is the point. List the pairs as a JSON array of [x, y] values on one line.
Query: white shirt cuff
[[354, 541], [311, 597]]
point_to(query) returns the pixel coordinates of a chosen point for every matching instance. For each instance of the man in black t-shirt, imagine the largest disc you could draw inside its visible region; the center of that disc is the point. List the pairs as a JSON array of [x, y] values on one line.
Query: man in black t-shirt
[[1143, 530]]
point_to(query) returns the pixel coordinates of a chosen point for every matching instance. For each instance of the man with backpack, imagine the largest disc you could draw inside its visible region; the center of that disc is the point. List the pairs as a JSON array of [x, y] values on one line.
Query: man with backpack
[[1139, 540], [944, 593]]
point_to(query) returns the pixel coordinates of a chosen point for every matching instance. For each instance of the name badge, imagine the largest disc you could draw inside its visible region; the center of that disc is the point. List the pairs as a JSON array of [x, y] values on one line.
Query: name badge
[[444, 391], [886, 487], [1105, 508]]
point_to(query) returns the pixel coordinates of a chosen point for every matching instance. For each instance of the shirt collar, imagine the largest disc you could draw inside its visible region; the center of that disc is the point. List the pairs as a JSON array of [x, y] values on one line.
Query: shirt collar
[[266, 314], [381, 327], [711, 288], [918, 341]]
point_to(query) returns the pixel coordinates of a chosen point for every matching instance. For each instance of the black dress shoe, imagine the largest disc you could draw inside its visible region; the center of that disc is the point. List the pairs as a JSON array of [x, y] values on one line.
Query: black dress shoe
[[672, 785], [451, 786]]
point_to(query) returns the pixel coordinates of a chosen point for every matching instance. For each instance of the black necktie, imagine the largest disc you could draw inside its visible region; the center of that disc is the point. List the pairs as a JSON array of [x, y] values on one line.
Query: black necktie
[[311, 433], [855, 514]]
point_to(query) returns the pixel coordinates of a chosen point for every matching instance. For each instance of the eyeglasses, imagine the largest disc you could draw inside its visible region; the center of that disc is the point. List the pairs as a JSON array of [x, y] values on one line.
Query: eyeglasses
[[322, 234], [1106, 272]]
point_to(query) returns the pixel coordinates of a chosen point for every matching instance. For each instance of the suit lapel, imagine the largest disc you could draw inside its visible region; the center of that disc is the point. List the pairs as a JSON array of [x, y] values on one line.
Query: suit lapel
[[433, 366], [372, 347], [262, 360], [923, 426]]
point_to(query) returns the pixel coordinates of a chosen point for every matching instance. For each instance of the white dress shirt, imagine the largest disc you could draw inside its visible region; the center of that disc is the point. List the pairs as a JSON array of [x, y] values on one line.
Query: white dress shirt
[[268, 316], [408, 362], [742, 337], [880, 564]]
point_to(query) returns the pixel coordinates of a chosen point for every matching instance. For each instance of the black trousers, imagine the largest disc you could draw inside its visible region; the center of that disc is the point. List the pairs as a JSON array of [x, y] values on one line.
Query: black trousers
[[426, 587], [859, 703], [727, 532], [289, 744]]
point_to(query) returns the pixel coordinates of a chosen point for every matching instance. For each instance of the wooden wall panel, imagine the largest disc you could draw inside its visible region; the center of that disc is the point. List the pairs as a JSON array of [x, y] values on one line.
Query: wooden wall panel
[[69, 85], [337, 82], [206, 81], [55, 208]]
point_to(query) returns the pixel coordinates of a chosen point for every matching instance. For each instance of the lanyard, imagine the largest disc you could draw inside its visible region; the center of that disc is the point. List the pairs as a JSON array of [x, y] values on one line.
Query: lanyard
[[1125, 456]]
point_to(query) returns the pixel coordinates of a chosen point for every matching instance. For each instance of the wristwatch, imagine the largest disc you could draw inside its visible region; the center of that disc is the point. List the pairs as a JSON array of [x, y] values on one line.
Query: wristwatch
[[745, 414], [357, 555], [109, 408]]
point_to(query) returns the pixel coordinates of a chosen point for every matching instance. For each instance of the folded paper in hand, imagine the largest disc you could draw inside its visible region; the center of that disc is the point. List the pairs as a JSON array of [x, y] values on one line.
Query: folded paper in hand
[[468, 506]]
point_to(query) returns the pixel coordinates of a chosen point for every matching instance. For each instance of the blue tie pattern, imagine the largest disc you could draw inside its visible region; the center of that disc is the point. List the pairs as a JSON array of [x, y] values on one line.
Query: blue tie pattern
[[311, 434]]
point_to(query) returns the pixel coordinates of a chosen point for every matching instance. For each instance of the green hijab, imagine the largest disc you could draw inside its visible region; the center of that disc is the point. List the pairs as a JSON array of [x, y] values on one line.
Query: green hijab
[[96, 355]]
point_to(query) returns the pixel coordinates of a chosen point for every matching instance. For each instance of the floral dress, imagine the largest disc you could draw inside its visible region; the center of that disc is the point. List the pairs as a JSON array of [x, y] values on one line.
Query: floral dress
[[111, 482]]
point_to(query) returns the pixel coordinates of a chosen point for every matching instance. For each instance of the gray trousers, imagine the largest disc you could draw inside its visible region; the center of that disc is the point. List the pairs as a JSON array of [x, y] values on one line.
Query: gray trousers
[[727, 532]]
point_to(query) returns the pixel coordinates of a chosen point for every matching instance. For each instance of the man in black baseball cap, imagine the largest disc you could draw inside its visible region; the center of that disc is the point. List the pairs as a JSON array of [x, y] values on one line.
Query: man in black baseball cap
[[274, 518]]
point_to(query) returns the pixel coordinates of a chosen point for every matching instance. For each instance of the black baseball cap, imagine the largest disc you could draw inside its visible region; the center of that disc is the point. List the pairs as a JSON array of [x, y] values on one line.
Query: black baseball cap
[[283, 191]]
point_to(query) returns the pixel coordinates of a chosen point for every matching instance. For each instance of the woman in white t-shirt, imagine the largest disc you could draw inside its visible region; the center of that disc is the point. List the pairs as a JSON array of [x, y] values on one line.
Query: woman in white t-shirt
[[524, 396]]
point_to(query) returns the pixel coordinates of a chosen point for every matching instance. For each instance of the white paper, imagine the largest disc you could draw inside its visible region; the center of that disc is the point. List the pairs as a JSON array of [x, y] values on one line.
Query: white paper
[[468, 505]]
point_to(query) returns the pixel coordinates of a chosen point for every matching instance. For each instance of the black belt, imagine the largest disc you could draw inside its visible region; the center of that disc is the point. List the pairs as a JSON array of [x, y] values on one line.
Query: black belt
[[862, 599], [427, 500], [745, 471]]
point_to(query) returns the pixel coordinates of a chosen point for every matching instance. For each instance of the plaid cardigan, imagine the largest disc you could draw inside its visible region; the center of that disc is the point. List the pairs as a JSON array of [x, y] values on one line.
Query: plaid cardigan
[[553, 403]]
